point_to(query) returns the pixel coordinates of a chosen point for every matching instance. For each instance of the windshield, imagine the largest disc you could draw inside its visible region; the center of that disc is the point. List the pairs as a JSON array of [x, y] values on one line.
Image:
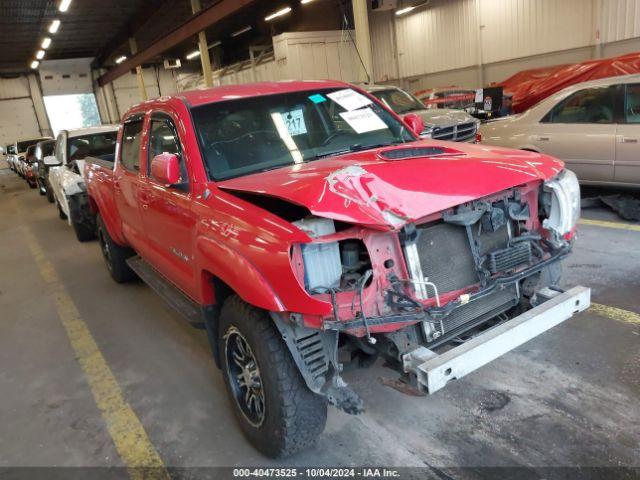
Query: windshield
[[398, 100], [96, 145], [240, 137], [11, 149]]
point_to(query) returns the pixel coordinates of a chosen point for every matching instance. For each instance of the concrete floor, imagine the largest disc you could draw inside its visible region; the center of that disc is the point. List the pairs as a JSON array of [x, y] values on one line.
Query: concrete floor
[[571, 397]]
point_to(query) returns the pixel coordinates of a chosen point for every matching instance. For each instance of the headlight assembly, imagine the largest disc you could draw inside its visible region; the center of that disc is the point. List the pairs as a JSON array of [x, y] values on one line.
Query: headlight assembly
[[564, 210], [427, 132]]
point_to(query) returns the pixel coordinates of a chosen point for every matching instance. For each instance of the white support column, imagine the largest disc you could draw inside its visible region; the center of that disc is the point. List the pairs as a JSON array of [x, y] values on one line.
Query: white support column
[[480, 56], [38, 105], [598, 24], [363, 39]]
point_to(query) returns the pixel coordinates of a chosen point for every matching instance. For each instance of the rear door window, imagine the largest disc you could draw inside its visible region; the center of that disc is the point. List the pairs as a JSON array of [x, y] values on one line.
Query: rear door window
[[591, 105], [131, 138], [632, 103]]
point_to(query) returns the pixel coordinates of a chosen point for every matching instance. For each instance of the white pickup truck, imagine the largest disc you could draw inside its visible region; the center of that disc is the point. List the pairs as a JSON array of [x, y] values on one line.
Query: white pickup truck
[[66, 172]]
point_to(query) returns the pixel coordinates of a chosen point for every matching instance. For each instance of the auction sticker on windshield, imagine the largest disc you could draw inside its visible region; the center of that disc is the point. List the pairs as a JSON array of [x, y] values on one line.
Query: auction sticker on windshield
[[363, 120], [349, 99], [294, 120]]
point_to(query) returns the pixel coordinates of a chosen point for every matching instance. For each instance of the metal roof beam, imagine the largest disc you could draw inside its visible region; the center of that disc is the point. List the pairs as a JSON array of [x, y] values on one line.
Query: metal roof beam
[[197, 23]]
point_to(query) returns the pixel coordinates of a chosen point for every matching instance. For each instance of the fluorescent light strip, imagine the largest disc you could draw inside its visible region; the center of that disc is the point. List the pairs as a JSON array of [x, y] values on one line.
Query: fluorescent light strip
[[214, 44], [402, 11], [55, 25], [64, 5], [35, 64], [40, 54], [277, 14], [193, 54], [46, 43], [121, 59], [305, 1], [241, 31]]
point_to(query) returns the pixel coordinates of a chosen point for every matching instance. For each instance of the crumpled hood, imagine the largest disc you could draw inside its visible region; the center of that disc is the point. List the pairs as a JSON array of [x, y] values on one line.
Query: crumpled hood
[[442, 117], [367, 189]]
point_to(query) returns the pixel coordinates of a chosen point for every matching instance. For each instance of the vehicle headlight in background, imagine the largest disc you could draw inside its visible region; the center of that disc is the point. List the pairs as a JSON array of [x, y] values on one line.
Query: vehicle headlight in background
[[565, 203]]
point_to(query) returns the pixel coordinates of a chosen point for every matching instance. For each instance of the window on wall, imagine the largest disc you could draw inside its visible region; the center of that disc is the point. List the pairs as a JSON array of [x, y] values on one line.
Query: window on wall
[[72, 111]]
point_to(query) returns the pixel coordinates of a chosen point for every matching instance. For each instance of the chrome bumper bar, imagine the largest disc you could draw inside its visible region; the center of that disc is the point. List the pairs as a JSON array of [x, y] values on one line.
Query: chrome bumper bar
[[434, 371]]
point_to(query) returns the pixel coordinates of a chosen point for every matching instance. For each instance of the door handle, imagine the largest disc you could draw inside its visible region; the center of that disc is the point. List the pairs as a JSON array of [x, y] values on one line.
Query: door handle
[[628, 140]]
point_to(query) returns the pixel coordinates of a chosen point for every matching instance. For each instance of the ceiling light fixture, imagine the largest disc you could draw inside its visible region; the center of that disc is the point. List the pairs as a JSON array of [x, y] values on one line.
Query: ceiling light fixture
[[35, 64], [46, 42], [55, 25], [402, 11], [214, 44], [40, 54], [193, 54], [64, 5], [241, 31], [121, 59], [305, 1], [277, 14]]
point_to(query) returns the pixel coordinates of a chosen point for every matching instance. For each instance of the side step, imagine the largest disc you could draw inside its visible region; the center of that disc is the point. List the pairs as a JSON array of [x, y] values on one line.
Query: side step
[[174, 297]]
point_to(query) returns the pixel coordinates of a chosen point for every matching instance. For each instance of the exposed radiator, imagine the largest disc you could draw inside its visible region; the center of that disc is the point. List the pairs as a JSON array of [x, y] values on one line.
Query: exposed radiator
[[445, 257]]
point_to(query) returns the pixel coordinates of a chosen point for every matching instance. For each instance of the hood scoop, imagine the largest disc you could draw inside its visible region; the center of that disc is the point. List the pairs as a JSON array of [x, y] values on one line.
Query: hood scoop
[[417, 152]]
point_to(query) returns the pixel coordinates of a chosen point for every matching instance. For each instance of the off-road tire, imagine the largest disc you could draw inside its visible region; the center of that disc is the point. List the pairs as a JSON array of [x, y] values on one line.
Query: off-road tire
[[84, 233], [294, 416], [115, 256], [50, 195]]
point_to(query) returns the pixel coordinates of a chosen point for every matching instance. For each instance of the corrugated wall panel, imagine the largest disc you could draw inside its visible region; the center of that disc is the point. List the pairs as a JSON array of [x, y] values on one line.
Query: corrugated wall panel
[[620, 20], [14, 87], [439, 37], [522, 28]]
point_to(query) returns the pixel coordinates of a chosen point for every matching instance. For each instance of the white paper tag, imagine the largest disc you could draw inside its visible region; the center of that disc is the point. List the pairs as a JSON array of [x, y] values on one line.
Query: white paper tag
[[364, 120], [349, 99], [294, 121], [479, 95]]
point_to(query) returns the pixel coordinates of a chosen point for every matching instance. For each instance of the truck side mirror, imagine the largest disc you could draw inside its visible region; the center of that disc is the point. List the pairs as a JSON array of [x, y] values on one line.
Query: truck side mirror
[[51, 161], [414, 122], [166, 169]]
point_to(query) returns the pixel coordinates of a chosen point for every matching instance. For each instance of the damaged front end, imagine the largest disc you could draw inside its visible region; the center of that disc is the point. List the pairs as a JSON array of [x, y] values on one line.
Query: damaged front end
[[413, 292]]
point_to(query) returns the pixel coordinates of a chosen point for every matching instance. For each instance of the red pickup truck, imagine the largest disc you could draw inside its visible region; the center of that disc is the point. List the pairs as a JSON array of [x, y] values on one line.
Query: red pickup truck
[[305, 227]]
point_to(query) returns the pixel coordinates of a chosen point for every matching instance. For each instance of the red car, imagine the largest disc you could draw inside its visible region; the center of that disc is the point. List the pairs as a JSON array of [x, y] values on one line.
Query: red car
[[304, 225]]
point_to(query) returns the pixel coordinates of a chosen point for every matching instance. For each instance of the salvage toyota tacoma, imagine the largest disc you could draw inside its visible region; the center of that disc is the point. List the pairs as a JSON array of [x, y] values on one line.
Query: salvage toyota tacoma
[[305, 226]]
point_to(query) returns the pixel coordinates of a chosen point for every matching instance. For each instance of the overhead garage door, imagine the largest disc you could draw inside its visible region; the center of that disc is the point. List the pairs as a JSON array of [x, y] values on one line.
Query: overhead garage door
[[18, 120]]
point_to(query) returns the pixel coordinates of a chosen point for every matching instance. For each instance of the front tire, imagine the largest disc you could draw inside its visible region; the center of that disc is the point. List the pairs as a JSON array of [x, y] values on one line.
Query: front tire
[[115, 256], [276, 411], [61, 214], [83, 232]]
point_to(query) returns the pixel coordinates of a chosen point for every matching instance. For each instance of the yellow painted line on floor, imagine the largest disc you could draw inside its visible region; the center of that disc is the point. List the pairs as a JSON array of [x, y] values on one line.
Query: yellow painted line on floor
[[615, 313], [605, 224], [129, 436]]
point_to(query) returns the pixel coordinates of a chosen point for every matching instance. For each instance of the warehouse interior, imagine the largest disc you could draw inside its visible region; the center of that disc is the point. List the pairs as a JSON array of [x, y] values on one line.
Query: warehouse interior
[[105, 379]]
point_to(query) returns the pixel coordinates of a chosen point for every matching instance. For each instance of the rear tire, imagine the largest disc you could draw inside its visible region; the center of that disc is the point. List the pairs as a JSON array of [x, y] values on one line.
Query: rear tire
[[115, 256], [50, 195], [291, 416]]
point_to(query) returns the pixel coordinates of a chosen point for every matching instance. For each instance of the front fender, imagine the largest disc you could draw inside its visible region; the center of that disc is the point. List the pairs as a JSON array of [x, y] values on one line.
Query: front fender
[[238, 273]]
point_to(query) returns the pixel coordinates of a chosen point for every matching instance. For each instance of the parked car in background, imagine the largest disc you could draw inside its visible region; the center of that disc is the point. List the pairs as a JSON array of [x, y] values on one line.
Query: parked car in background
[[293, 218], [20, 150], [11, 156], [593, 126], [66, 170], [28, 164], [440, 124], [44, 149], [448, 97]]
